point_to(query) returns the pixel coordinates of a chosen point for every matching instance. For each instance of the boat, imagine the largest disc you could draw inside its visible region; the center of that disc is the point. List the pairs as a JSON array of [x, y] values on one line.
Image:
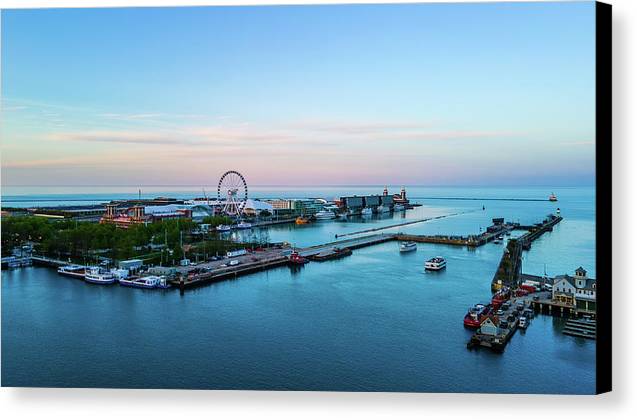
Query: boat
[[331, 254], [244, 225], [523, 322], [72, 270], [500, 237], [367, 211], [297, 259], [301, 220], [399, 207], [325, 215], [223, 228], [147, 282], [552, 197], [408, 246], [500, 297], [382, 209], [476, 314], [558, 210], [497, 241], [342, 216], [98, 275], [435, 264]]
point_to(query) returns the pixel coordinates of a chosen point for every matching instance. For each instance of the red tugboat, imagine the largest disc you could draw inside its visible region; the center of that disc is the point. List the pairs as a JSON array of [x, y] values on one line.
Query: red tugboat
[[297, 259], [476, 315], [502, 296]]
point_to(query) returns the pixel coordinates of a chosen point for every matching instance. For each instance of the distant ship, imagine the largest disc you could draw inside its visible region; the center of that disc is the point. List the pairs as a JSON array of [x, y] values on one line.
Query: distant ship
[[408, 246], [552, 197], [244, 225], [325, 215], [223, 228]]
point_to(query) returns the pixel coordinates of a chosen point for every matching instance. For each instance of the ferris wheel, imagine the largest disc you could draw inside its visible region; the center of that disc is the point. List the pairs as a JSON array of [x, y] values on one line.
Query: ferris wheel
[[232, 190]]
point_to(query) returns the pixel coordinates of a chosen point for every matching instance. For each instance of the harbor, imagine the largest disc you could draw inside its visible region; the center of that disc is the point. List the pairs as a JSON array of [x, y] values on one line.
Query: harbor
[[376, 274]]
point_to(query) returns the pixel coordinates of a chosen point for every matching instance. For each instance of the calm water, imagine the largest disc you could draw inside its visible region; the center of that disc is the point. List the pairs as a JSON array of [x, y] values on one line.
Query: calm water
[[373, 321]]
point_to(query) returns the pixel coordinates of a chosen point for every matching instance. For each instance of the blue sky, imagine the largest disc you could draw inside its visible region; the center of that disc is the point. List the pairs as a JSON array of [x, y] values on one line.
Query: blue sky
[[431, 94]]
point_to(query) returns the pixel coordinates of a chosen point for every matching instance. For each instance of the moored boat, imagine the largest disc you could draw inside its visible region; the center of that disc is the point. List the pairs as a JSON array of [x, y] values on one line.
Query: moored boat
[[408, 246], [223, 228], [399, 207], [500, 297], [244, 225], [435, 264], [325, 215], [147, 282], [302, 220], [98, 275], [382, 209], [367, 211], [73, 270], [476, 314], [297, 259]]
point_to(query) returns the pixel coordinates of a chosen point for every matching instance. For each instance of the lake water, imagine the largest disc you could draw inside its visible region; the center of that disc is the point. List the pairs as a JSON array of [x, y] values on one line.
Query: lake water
[[374, 321]]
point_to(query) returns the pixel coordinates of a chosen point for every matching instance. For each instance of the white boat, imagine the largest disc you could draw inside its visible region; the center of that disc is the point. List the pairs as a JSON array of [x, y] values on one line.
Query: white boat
[[97, 275], [408, 246], [342, 216], [244, 225], [147, 282], [552, 197], [325, 215], [382, 209], [523, 323], [223, 228], [399, 207], [72, 270], [435, 264], [367, 211]]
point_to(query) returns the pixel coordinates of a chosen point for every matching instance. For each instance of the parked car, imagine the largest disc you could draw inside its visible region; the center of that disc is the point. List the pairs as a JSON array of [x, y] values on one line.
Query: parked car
[[499, 312]]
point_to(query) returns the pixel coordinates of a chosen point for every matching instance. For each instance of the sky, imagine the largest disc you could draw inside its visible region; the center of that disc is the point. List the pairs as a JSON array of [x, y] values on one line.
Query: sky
[[416, 94]]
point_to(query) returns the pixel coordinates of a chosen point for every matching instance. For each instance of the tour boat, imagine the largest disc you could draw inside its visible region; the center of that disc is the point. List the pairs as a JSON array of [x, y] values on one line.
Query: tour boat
[[223, 228], [367, 211], [435, 264], [147, 282], [296, 258], [552, 197], [325, 215], [97, 275], [72, 270], [408, 246], [476, 314], [244, 225], [399, 207]]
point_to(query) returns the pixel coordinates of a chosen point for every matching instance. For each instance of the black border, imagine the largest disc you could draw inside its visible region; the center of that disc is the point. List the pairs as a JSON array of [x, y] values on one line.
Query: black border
[[603, 193]]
